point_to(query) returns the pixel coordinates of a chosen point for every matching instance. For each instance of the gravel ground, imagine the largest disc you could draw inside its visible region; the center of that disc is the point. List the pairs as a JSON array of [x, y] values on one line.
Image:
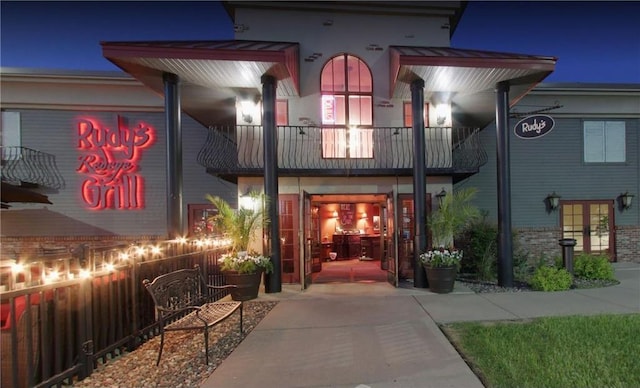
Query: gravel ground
[[183, 359], [578, 283]]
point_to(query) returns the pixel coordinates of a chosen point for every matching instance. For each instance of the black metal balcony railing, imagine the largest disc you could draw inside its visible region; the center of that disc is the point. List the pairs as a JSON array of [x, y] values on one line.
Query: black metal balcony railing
[[25, 165], [317, 151]]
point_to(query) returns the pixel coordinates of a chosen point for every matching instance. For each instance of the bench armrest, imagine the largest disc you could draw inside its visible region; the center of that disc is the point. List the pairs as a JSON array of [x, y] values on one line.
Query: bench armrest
[[222, 287]]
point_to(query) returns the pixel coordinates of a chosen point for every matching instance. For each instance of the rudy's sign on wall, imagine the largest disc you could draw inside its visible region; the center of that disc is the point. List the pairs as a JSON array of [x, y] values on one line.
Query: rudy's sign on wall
[[535, 126], [108, 162]]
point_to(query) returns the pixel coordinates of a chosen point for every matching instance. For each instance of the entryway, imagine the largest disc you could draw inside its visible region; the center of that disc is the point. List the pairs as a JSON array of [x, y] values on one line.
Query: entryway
[[350, 271], [347, 238]]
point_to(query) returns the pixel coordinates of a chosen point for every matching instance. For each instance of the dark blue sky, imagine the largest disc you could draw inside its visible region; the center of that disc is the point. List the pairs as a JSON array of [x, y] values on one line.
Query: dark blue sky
[[594, 41]]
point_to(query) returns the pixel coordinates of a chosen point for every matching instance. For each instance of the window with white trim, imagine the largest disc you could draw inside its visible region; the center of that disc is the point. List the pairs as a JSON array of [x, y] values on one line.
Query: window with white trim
[[604, 142], [282, 112], [346, 86]]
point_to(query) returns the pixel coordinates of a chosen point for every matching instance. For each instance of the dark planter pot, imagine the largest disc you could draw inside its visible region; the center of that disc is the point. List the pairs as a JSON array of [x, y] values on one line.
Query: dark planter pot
[[441, 279], [248, 285]]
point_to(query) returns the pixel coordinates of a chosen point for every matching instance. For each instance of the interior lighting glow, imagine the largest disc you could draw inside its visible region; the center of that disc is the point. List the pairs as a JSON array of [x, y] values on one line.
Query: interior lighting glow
[[155, 250], [109, 267], [84, 274], [17, 268]]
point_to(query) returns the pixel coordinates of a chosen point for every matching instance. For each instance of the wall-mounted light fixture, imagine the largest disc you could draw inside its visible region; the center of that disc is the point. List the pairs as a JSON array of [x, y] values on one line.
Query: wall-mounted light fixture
[[443, 112], [334, 214], [441, 196], [625, 199], [553, 201], [364, 215]]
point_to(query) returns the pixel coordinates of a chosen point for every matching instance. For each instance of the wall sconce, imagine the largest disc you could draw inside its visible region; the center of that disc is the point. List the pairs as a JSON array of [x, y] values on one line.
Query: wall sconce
[[553, 200], [335, 214], [442, 114], [625, 200], [441, 196], [364, 215]]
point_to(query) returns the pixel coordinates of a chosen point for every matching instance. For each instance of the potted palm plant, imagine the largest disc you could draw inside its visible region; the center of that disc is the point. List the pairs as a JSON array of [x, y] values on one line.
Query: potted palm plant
[[240, 266], [442, 261]]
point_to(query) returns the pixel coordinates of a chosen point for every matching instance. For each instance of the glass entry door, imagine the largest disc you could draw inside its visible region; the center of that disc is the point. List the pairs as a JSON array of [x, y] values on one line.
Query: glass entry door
[[390, 253], [591, 224]]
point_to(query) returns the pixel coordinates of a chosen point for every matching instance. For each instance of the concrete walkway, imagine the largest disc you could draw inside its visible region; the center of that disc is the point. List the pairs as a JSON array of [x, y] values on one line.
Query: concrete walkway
[[373, 335]]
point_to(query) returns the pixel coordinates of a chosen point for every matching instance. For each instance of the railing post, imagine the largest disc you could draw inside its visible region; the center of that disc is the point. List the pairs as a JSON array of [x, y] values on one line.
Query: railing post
[[419, 182], [505, 243], [273, 281]]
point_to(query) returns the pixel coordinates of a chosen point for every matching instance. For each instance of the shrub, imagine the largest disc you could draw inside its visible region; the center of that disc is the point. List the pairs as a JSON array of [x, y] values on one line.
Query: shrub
[[548, 278], [479, 241], [590, 266]]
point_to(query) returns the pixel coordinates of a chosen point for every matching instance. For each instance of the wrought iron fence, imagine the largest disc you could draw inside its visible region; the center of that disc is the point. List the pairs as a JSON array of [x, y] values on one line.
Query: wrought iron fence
[[238, 149], [77, 310], [21, 164]]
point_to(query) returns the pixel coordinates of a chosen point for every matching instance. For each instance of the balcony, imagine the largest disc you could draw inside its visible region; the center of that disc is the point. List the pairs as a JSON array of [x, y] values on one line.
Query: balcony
[[25, 166], [235, 151]]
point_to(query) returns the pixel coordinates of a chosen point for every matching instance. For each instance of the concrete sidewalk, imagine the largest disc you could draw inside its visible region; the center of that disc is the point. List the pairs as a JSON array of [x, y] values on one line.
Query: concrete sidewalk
[[374, 335]]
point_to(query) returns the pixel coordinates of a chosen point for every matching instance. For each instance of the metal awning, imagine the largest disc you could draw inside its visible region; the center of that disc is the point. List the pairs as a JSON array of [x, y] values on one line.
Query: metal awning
[[213, 73], [466, 78]]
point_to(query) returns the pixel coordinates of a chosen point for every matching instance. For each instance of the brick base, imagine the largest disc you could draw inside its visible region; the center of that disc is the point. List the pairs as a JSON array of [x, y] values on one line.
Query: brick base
[[541, 242]]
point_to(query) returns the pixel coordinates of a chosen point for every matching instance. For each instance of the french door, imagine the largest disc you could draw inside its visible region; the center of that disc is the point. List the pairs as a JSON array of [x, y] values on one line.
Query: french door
[[289, 237], [591, 223], [390, 253]]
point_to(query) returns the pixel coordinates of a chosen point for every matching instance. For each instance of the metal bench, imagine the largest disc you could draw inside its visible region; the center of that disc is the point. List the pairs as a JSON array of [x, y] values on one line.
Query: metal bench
[[183, 301]]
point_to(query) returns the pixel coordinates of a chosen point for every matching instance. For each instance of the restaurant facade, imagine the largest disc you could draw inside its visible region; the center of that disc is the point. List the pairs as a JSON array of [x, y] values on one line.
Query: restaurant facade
[[357, 135]]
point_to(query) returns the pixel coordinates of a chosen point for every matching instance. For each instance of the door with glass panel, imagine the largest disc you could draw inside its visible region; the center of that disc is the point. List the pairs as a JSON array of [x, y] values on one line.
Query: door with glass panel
[[591, 224]]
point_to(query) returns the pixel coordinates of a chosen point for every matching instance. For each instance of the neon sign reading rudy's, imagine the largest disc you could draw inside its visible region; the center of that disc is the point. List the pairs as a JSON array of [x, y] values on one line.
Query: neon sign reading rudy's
[[108, 162]]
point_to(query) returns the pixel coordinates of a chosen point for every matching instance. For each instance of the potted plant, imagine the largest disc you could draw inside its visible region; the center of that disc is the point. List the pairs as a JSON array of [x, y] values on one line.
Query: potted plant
[[241, 267], [442, 262]]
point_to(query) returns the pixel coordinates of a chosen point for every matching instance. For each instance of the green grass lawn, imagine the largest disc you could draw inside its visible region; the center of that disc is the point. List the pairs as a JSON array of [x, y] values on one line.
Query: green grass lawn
[[565, 352]]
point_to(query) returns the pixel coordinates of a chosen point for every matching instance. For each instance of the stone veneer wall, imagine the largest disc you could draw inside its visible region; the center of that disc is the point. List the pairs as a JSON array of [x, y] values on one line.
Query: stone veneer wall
[[544, 242], [539, 242], [628, 243]]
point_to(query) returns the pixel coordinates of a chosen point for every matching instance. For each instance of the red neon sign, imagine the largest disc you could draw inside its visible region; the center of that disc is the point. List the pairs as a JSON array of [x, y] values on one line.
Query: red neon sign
[[109, 160]]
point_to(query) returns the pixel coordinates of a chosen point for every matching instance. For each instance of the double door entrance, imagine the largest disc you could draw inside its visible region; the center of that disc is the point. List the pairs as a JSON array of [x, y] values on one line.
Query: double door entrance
[[362, 237]]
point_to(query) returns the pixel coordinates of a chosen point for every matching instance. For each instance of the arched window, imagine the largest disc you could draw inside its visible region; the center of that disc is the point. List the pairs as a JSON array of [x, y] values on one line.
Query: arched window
[[346, 86]]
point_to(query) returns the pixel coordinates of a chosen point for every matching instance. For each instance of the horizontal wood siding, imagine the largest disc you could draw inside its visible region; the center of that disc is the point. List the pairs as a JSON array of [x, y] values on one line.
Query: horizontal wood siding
[[55, 132], [554, 162], [197, 182]]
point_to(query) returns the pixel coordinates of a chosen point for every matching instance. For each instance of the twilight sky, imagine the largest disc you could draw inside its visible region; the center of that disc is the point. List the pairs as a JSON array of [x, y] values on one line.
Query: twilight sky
[[594, 41]]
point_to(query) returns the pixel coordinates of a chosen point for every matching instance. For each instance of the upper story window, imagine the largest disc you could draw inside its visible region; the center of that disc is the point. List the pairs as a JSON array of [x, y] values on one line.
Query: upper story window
[[604, 142], [282, 112], [10, 134], [408, 118], [346, 86]]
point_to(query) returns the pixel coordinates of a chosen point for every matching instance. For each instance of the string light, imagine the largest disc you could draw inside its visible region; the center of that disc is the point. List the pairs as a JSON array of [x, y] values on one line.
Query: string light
[[126, 255]]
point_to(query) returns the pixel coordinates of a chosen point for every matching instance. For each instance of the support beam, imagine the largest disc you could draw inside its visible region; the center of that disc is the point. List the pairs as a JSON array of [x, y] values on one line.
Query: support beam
[[173, 124], [273, 281], [505, 240], [419, 182]]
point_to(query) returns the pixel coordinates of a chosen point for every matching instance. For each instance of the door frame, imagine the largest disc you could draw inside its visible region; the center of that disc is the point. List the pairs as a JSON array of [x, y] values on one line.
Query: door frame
[[586, 223]]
